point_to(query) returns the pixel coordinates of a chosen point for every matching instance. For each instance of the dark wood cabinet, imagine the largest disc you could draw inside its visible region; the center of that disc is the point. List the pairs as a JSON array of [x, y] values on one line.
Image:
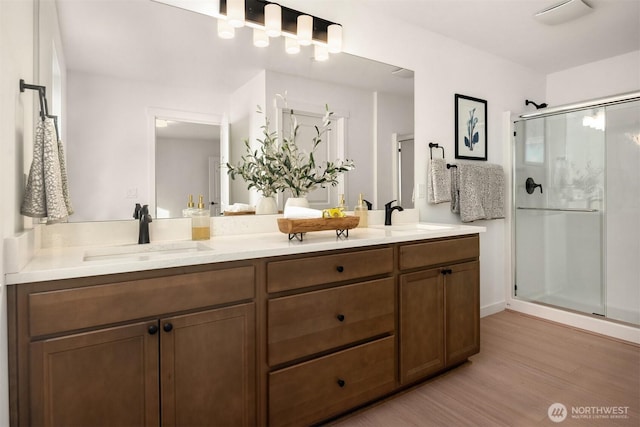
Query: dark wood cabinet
[[291, 340], [207, 365], [188, 356], [101, 378], [439, 308]]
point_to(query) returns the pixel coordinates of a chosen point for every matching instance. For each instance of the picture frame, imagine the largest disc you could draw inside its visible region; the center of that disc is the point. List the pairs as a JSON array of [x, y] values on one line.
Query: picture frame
[[470, 128]]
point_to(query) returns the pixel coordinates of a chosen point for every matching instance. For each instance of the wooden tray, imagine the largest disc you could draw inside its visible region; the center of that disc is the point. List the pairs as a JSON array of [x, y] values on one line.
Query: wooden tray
[[227, 213], [294, 226]]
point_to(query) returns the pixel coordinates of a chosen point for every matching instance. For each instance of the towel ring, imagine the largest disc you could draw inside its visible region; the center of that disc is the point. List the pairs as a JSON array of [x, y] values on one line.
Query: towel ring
[[433, 145]]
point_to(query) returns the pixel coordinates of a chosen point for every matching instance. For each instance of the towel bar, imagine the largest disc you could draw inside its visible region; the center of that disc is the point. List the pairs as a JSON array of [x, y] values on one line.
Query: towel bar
[[433, 145], [449, 166], [558, 209]]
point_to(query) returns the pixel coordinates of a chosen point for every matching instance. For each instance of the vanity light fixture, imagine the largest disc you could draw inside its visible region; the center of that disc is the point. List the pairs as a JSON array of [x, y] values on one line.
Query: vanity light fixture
[[334, 38], [235, 13], [305, 30], [269, 19], [273, 20]]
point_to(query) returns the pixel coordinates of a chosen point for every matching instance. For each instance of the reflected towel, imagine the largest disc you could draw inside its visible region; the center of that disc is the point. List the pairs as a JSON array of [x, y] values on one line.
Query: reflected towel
[[477, 191], [47, 192], [438, 182]]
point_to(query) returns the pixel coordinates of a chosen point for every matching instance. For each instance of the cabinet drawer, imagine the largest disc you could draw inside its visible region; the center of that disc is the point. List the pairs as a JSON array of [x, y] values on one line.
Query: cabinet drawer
[[79, 308], [324, 387], [439, 252], [303, 272], [309, 323]]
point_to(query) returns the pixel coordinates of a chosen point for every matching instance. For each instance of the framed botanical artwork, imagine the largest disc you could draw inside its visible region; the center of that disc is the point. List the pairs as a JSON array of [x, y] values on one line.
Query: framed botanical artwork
[[471, 128]]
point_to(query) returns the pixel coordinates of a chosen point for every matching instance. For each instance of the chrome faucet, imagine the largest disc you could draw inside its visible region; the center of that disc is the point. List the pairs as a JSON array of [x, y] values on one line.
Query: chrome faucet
[[388, 210], [141, 213]]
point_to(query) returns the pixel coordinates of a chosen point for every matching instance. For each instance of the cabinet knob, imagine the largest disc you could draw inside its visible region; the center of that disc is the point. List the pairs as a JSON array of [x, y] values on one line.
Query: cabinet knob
[[340, 269], [340, 317], [341, 382], [153, 329], [167, 327]]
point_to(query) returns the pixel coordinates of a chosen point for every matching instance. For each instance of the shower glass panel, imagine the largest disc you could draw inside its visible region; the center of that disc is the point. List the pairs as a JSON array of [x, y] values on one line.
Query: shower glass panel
[[577, 209], [559, 218]]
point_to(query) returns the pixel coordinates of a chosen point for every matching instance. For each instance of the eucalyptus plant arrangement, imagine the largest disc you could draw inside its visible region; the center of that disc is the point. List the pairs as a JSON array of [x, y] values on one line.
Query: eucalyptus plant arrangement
[[260, 168], [280, 164]]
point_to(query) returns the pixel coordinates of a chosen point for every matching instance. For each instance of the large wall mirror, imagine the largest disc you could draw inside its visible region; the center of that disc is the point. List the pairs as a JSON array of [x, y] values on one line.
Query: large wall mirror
[[152, 102]]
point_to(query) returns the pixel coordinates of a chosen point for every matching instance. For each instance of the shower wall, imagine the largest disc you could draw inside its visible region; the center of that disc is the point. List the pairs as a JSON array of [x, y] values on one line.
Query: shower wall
[[577, 234]]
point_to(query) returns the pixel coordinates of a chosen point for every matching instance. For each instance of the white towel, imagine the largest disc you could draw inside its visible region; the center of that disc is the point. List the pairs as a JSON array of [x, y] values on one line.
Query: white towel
[[297, 212], [438, 182], [47, 193], [477, 191]]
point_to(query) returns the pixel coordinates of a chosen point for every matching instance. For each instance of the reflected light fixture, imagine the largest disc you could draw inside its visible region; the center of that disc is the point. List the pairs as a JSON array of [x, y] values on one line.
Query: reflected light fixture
[[320, 52], [235, 13], [305, 30], [291, 45], [273, 20], [260, 38], [225, 31], [267, 19]]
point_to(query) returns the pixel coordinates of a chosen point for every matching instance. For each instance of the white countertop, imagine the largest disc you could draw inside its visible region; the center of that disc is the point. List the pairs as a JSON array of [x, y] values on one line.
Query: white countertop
[[82, 261]]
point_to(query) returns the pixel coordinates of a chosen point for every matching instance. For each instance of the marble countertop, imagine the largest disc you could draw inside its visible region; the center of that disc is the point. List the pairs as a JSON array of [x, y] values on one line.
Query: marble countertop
[[82, 261]]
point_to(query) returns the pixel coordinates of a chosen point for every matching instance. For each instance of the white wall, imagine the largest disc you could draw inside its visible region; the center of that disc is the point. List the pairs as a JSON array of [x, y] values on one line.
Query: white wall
[[17, 45], [619, 74]]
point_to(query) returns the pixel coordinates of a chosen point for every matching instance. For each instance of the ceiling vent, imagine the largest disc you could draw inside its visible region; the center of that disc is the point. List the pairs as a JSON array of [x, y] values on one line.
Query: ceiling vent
[[562, 12]]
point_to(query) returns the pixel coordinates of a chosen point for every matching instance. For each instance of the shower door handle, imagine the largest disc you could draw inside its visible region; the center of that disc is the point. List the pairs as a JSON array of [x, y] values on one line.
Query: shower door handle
[[531, 185]]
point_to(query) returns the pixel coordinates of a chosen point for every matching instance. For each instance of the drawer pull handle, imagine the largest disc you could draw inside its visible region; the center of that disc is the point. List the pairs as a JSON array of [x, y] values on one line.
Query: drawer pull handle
[[153, 329], [446, 271], [167, 327], [340, 269], [341, 382], [340, 317]]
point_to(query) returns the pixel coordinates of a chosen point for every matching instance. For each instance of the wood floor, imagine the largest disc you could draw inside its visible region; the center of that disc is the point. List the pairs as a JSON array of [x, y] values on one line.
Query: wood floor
[[524, 366]]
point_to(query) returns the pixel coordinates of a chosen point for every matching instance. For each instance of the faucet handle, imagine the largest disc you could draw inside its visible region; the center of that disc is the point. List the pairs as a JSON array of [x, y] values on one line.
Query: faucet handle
[[136, 212]]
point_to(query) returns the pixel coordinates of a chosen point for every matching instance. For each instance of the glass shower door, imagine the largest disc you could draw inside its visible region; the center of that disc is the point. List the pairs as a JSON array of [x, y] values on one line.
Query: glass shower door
[[559, 200]]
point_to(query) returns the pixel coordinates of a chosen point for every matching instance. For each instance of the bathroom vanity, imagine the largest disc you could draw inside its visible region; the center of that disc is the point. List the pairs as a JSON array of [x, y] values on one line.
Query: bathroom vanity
[[281, 333]]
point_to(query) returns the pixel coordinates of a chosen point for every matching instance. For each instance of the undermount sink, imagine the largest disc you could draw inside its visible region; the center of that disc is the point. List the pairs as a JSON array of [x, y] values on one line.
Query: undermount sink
[[144, 252], [414, 227]]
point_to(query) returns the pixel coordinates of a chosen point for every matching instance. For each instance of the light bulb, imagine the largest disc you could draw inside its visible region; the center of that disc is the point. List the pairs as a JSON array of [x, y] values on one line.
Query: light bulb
[[334, 38], [225, 31], [235, 13], [305, 29], [260, 38], [291, 45], [273, 20], [320, 52]]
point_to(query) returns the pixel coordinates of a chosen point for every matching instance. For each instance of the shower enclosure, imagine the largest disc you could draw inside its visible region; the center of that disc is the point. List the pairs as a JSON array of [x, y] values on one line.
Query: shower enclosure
[[576, 195]]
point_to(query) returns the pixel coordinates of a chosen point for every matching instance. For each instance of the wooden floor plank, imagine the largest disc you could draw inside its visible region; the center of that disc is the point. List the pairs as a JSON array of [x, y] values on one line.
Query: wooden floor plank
[[525, 365]]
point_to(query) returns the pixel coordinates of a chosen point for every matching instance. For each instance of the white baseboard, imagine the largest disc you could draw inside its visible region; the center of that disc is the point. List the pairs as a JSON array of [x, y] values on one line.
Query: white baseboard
[[494, 308]]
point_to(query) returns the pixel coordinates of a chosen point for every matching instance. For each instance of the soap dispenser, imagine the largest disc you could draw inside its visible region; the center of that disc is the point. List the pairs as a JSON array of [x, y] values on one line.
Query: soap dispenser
[[341, 204], [200, 222], [361, 210], [188, 211]]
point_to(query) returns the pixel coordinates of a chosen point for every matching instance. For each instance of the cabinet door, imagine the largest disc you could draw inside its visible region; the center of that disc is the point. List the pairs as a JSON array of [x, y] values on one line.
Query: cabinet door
[[462, 308], [101, 378], [208, 368], [421, 324]]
